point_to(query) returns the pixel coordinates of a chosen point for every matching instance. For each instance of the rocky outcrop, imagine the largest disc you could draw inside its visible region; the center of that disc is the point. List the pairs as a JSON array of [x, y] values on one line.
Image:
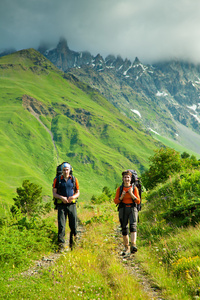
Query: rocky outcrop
[[162, 91]]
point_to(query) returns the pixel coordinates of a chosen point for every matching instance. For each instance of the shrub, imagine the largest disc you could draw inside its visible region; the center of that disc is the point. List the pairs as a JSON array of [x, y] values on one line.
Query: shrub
[[164, 163], [106, 196], [29, 200]]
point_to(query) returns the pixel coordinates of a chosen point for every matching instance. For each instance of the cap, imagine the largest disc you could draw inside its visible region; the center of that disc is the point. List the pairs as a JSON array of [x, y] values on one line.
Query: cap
[[66, 165]]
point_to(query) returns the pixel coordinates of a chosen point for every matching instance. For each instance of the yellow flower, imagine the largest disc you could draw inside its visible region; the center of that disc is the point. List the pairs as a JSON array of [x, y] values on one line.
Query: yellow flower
[[188, 275]]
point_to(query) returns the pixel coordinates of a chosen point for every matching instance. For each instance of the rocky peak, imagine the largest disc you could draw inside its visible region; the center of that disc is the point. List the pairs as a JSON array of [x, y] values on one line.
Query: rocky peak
[[99, 59], [110, 60], [136, 61], [63, 46]]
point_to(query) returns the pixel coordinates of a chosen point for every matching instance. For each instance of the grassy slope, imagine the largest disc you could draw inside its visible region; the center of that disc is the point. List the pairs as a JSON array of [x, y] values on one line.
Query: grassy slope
[[177, 146], [88, 131], [169, 248]]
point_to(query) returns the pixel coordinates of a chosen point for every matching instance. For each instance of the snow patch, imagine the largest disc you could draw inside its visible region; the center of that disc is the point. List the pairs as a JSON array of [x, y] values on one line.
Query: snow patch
[[144, 68], [193, 107], [136, 112], [125, 72], [196, 117], [160, 94], [154, 131]]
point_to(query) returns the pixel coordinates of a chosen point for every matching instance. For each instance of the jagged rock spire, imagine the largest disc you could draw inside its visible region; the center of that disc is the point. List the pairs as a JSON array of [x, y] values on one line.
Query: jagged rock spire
[[62, 45], [136, 61]]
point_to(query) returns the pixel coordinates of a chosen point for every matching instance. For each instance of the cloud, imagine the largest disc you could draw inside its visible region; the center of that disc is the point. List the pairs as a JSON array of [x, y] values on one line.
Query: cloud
[[149, 29]]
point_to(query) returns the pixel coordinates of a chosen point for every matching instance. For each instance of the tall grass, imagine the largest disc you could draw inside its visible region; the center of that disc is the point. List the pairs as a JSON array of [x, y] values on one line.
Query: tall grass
[[167, 253], [170, 238], [91, 271]]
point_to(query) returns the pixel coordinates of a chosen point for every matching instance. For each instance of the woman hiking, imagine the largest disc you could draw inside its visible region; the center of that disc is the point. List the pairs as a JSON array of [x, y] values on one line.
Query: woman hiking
[[127, 197]]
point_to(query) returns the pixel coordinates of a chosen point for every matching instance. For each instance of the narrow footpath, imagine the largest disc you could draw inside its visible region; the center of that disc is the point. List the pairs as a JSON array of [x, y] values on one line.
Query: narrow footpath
[[134, 268], [129, 263]]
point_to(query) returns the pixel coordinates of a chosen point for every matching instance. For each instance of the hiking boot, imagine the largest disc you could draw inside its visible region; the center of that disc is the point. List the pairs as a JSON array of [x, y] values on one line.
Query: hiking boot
[[72, 241], [62, 247], [133, 249], [126, 252]]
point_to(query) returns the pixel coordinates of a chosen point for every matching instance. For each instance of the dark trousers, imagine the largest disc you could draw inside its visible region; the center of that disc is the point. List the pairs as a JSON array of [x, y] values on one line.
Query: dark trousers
[[128, 215], [64, 211]]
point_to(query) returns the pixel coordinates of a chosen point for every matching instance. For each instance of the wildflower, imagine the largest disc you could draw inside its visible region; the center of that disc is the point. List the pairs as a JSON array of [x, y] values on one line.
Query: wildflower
[[188, 277]]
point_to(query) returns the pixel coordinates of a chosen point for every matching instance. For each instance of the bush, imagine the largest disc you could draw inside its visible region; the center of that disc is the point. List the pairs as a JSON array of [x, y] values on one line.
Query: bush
[[177, 201], [165, 163], [29, 200], [106, 196]]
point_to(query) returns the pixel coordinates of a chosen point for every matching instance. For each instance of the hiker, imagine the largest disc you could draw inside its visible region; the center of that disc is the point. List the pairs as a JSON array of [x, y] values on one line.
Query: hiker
[[128, 212], [66, 195]]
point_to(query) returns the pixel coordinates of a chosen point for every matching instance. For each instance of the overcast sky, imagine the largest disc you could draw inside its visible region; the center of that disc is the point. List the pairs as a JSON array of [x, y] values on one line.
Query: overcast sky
[[149, 29]]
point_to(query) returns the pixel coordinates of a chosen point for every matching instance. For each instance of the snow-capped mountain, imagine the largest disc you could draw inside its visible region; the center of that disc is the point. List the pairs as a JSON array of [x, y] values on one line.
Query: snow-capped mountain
[[163, 97], [160, 96]]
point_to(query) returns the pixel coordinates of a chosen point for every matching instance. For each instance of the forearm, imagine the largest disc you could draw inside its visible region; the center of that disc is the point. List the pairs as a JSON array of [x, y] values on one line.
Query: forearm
[[76, 195], [122, 196], [57, 196]]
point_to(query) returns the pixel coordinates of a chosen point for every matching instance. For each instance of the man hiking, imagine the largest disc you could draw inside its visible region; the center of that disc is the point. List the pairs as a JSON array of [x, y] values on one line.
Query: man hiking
[[66, 192], [127, 197]]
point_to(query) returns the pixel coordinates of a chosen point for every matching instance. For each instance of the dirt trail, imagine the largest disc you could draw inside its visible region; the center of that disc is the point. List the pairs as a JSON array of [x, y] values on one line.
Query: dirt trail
[[51, 259], [130, 263], [135, 269]]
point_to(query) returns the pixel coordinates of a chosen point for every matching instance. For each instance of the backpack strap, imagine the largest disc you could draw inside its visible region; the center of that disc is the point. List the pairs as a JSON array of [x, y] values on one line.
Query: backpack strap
[[74, 183], [121, 189], [58, 182]]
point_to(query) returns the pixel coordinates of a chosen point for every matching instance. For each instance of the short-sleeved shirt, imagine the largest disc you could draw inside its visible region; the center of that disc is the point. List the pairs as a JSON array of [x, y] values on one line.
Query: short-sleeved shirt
[[66, 188]]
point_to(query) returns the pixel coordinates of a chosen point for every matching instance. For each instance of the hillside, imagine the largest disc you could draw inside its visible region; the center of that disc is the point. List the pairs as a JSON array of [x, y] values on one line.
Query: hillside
[[163, 97], [48, 117]]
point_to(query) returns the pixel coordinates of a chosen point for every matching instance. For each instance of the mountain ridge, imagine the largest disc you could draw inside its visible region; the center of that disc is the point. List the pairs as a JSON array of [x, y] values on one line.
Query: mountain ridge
[[161, 94]]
